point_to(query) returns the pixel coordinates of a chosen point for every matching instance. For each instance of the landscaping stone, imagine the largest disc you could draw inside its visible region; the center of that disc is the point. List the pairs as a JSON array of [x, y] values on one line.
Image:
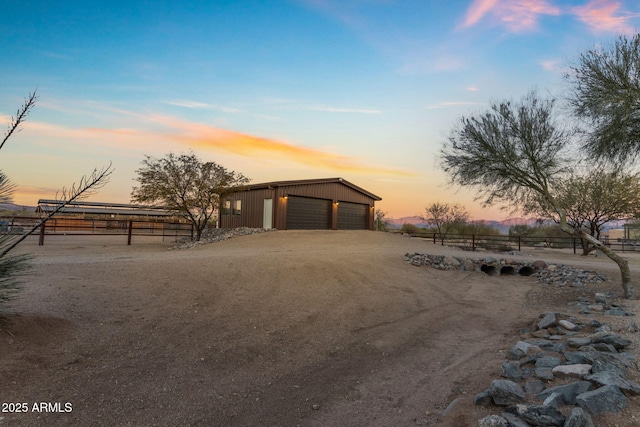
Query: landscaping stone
[[533, 386], [615, 340], [567, 325], [483, 398], [514, 420], [607, 378], [578, 418], [605, 399], [571, 371], [511, 371], [569, 391], [554, 399], [547, 321], [493, 421], [538, 415], [505, 392]]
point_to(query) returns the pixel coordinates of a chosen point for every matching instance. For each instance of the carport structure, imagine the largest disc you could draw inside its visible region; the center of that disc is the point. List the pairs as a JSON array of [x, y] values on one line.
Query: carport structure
[[311, 204]]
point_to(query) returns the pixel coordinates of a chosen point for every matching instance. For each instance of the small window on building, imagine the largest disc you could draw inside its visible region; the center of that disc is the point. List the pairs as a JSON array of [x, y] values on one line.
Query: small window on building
[[237, 207], [226, 207]]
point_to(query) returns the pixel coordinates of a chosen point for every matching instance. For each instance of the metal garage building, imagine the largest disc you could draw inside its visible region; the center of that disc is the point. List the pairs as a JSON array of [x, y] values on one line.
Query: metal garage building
[[312, 204]]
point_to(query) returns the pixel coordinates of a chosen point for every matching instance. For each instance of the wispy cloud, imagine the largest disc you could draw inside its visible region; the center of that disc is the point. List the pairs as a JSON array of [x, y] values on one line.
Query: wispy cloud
[[188, 104], [515, 15], [605, 16], [346, 110], [450, 104], [553, 65], [201, 105]]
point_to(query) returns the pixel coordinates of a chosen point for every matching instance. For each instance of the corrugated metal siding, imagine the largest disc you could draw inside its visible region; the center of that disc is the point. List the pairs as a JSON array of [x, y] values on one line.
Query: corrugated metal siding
[[331, 191], [352, 216], [253, 203], [252, 209]]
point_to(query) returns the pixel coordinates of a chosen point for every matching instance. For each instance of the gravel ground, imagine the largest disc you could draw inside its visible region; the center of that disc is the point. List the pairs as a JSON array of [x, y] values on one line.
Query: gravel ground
[[285, 328]]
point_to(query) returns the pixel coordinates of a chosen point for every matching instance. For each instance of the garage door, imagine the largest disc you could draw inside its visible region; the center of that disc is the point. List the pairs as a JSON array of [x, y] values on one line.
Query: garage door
[[305, 213], [352, 216]]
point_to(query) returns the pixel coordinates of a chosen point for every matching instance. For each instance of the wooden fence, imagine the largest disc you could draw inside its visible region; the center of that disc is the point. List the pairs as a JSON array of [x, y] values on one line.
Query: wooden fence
[[97, 227]]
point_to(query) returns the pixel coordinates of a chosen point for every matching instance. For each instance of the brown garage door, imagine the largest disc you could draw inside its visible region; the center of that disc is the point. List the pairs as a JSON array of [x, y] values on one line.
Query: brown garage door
[[352, 216], [306, 213]]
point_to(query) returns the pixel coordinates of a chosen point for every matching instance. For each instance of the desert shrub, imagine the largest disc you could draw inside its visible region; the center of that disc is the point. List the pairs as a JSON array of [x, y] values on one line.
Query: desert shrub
[[410, 229]]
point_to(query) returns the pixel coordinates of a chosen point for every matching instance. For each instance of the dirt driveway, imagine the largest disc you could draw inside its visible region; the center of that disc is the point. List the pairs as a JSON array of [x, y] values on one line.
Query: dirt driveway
[[285, 328]]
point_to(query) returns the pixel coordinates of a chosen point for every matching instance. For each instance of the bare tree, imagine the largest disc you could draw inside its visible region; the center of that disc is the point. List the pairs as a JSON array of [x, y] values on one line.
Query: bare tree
[[444, 217], [13, 266], [606, 92], [514, 154], [185, 185]]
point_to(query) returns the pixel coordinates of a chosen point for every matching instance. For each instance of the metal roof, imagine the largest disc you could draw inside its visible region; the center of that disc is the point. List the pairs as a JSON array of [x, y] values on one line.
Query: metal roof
[[308, 182], [48, 205]]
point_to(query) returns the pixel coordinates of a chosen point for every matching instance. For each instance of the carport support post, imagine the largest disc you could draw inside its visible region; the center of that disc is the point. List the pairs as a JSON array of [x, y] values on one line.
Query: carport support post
[[129, 233], [41, 239]]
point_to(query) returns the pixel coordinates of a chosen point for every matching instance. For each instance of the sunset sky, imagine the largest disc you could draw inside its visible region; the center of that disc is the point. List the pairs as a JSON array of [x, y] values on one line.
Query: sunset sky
[[366, 90]]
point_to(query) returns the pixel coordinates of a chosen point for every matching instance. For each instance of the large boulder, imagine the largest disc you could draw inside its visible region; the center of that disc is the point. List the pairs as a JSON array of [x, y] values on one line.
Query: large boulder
[[505, 392], [605, 399]]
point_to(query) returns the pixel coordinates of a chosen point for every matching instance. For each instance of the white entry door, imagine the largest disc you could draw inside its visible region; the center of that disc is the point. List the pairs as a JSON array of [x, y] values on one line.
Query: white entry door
[[267, 215]]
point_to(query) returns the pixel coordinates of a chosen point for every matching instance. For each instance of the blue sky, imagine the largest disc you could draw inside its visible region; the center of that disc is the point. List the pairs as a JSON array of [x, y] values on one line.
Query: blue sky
[[366, 90]]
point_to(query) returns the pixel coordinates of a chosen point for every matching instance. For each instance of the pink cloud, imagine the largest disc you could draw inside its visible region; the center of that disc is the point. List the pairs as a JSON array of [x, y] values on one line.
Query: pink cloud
[[515, 15], [604, 15]]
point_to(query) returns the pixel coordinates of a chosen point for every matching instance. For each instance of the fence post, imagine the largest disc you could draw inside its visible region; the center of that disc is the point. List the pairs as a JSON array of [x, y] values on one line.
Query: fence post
[[41, 239], [574, 245], [473, 242], [129, 232], [519, 244]]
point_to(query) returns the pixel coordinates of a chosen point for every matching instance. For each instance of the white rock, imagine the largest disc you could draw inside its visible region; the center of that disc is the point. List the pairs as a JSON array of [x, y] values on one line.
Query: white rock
[[572, 371], [567, 325]]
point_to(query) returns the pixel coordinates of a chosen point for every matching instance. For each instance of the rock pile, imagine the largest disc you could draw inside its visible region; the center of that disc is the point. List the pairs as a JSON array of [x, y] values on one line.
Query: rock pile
[[602, 304], [212, 235], [556, 274], [561, 373]]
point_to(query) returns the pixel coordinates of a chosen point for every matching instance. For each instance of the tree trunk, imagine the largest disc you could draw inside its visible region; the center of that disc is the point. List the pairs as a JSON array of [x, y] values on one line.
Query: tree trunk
[[623, 264]]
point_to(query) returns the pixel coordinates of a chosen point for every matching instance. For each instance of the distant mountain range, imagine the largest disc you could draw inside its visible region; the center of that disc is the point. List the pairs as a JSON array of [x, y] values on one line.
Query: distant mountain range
[[13, 207]]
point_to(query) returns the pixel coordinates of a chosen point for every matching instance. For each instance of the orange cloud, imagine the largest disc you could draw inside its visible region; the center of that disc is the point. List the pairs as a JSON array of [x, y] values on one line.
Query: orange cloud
[[26, 196], [209, 137], [516, 15], [600, 15]]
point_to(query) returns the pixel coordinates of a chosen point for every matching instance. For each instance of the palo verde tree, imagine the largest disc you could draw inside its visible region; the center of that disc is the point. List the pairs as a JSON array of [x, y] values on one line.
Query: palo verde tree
[[444, 217], [605, 94], [186, 185], [12, 265], [592, 200], [515, 154]]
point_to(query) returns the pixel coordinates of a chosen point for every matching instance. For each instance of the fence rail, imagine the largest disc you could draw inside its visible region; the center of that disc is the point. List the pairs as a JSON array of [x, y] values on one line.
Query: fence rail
[[507, 243], [98, 227]]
